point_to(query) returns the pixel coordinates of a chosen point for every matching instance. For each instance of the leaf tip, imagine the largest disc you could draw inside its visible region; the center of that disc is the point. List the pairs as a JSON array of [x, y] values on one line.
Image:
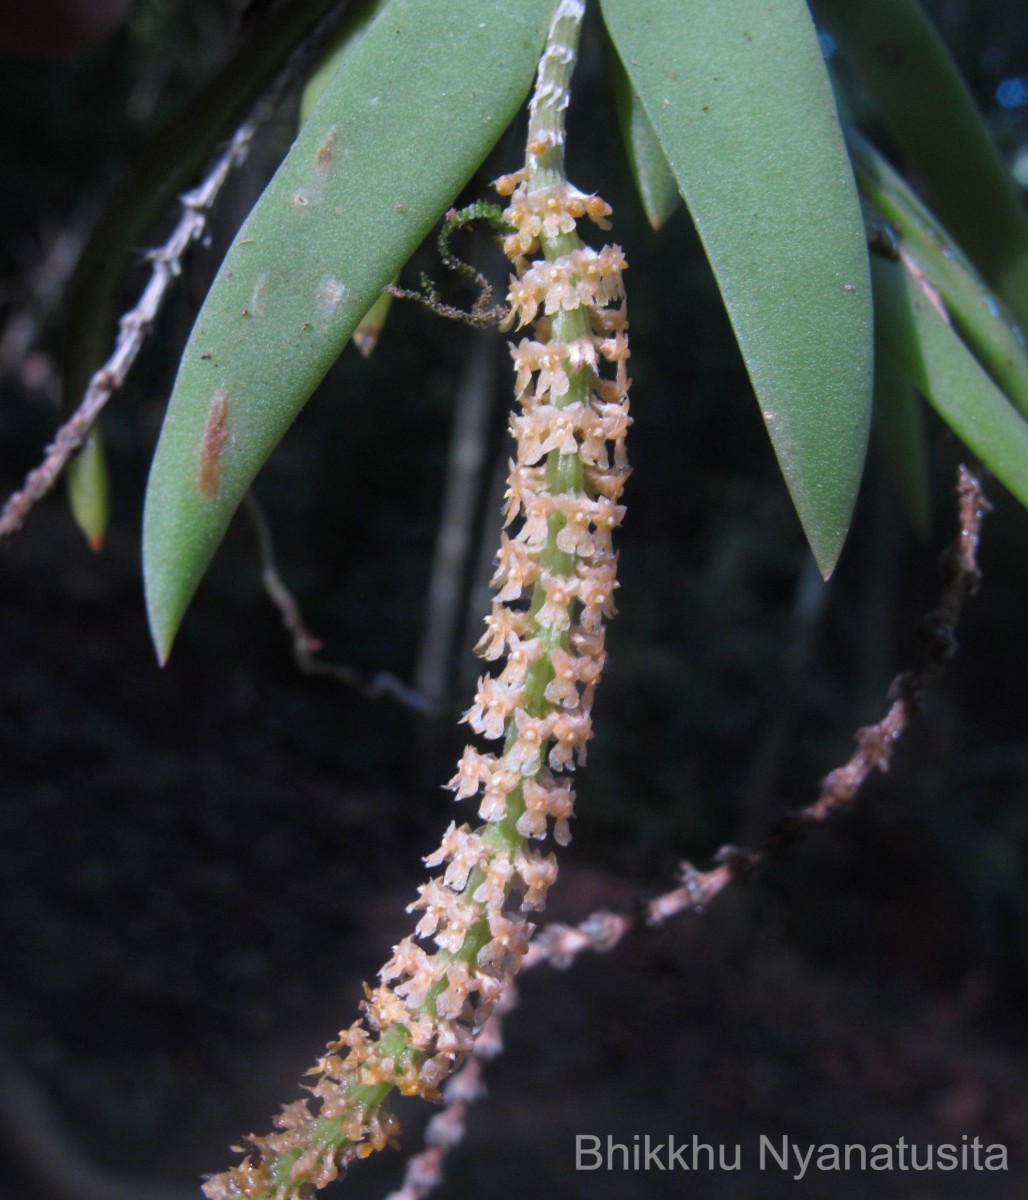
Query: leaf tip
[[365, 338], [163, 627], [88, 490], [825, 544], [167, 598]]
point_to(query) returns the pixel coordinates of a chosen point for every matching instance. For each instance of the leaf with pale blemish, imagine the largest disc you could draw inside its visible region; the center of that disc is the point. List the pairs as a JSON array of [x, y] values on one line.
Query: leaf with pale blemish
[[170, 163], [366, 335], [215, 435], [738, 98], [398, 131]]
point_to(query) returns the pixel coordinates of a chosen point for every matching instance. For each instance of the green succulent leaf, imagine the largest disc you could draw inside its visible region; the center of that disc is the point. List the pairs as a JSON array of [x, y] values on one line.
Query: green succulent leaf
[[369, 329], [360, 17], [89, 489], [916, 334], [654, 179], [168, 165], [759, 158], [395, 136], [899, 426], [366, 335], [928, 251], [926, 107]]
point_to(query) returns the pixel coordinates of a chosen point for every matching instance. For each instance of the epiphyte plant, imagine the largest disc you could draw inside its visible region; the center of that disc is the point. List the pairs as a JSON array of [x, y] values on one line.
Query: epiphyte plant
[[758, 153], [886, 294], [554, 587], [755, 151]]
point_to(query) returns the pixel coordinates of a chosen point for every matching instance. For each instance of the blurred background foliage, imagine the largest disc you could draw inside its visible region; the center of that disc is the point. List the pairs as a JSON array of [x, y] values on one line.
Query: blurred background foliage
[[182, 852]]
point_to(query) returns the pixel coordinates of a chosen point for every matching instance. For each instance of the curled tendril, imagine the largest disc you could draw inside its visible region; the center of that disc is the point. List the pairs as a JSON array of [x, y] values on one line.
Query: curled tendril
[[482, 313]]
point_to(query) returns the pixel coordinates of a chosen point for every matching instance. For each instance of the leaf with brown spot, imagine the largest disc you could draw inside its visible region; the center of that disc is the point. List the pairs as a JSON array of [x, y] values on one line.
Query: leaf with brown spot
[[215, 435], [325, 262]]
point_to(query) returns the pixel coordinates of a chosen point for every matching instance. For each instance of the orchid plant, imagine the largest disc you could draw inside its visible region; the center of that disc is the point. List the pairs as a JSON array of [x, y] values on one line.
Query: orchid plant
[[890, 296]]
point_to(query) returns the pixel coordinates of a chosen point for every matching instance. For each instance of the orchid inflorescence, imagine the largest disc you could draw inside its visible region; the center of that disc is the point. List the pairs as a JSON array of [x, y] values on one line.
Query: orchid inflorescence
[[555, 582]]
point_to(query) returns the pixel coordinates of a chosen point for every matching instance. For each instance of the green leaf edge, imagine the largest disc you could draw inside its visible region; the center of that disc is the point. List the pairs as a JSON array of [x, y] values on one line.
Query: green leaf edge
[[928, 110], [979, 317], [823, 469], [254, 357], [945, 372], [654, 180], [339, 50]]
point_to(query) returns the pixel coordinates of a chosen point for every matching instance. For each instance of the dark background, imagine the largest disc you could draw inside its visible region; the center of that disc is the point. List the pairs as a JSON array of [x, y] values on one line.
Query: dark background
[[199, 865]]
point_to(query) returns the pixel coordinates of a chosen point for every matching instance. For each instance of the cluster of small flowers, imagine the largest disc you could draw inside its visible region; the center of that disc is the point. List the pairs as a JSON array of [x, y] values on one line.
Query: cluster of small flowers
[[552, 606], [555, 583], [547, 608]]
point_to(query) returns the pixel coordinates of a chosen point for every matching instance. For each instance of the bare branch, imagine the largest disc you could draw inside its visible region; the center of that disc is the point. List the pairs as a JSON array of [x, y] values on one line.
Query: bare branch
[[559, 944], [875, 743], [461, 503], [137, 323], [305, 644], [44, 279]]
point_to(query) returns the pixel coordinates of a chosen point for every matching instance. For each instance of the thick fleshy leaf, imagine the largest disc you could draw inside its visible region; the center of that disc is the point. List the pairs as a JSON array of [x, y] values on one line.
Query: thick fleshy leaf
[[397, 133], [89, 489], [929, 252], [366, 335], [654, 180], [369, 330], [928, 110], [738, 97], [168, 165], [915, 333], [340, 49]]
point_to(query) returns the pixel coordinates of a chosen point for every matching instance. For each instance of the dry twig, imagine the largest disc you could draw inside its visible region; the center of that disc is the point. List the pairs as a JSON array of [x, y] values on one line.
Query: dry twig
[[305, 644], [453, 545], [44, 279], [559, 944], [875, 743], [137, 323]]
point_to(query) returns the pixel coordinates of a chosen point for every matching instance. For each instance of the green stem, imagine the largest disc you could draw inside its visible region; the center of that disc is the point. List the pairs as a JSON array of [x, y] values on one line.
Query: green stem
[[550, 98]]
